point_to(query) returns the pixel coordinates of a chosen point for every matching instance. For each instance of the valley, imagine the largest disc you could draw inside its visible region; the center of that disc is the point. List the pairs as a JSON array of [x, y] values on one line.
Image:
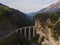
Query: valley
[[35, 28]]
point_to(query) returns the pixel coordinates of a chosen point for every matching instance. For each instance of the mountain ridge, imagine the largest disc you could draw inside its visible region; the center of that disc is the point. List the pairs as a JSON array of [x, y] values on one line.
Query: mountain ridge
[[11, 19], [55, 7]]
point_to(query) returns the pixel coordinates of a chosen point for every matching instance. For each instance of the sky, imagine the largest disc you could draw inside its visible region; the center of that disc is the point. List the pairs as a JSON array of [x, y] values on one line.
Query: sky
[[28, 6]]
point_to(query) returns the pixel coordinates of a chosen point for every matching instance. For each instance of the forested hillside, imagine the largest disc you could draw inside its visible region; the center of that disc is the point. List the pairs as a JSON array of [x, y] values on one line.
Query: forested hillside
[[52, 20], [11, 18]]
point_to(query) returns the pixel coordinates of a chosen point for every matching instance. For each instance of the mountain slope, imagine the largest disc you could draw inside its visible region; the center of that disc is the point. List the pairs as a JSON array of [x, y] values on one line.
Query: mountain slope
[[52, 8], [11, 18], [49, 18]]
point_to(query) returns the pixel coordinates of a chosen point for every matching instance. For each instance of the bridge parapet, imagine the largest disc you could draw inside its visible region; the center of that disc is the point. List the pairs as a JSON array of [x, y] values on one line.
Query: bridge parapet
[[21, 30]]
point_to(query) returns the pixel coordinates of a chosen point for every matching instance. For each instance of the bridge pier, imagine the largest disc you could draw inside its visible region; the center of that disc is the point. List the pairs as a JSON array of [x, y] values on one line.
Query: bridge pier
[[33, 32], [29, 33], [20, 30], [25, 31], [30, 30]]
